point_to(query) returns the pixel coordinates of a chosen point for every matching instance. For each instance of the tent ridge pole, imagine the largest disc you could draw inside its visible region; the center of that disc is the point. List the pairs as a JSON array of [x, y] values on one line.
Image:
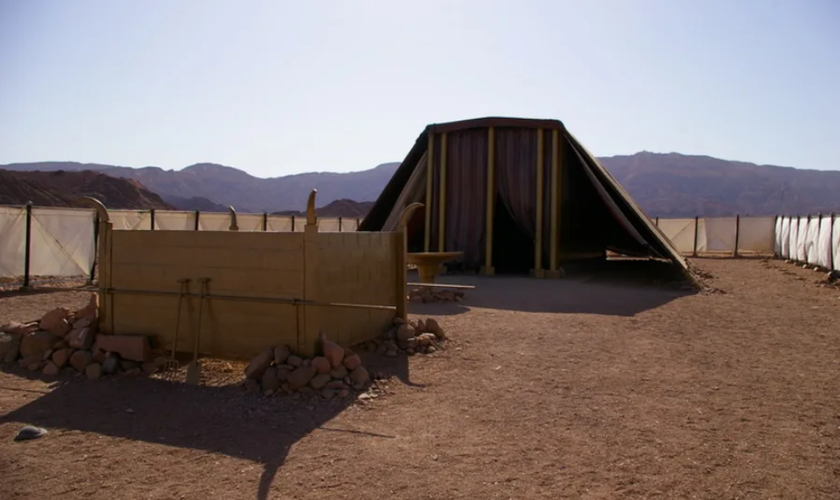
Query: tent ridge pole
[[430, 165]]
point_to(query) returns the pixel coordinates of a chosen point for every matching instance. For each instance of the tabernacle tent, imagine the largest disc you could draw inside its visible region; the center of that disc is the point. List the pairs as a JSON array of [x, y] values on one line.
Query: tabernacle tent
[[515, 195]]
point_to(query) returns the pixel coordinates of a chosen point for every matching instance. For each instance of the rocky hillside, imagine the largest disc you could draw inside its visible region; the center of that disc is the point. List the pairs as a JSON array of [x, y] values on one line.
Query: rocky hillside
[[63, 189], [338, 208], [225, 186], [675, 185], [664, 185]]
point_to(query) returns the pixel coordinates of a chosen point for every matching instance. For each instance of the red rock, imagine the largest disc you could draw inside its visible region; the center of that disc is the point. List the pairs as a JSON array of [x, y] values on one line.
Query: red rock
[[281, 354], [56, 322], [432, 326], [149, 367], [332, 351], [9, 347], [352, 361], [321, 364], [257, 367], [16, 328], [100, 356], [36, 343], [294, 361], [29, 360], [405, 332], [80, 359], [50, 369], [90, 312], [133, 347], [80, 338], [359, 377], [320, 380], [301, 377]]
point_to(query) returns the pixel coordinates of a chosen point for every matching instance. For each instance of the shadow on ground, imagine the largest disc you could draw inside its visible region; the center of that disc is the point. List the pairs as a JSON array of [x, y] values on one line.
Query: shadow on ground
[[613, 287], [224, 420]]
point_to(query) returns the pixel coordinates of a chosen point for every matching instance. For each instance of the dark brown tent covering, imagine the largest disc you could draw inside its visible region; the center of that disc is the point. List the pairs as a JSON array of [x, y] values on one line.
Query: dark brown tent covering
[[550, 201]]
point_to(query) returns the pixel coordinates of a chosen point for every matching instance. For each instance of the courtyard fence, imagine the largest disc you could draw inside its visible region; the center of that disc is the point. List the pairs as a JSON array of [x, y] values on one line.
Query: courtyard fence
[[51, 243], [54, 243]]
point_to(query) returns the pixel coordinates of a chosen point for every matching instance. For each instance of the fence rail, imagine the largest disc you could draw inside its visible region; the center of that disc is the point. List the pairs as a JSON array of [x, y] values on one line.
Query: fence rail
[[61, 242]]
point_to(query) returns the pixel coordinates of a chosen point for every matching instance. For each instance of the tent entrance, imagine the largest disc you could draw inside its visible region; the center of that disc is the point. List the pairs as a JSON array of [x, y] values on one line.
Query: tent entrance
[[513, 250]]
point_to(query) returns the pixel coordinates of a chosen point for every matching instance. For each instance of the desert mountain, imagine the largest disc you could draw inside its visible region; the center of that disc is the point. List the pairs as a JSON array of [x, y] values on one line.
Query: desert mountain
[[664, 185], [63, 189], [230, 186]]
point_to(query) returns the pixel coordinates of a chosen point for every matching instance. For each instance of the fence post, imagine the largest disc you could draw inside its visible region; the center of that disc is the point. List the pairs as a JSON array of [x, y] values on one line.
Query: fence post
[[308, 332], [696, 228], [358, 223], [95, 247], [656, 221], [775, 237], [197, 215], [293, 223], [28, 242], [831, 242], [737, 233], [339, 223], [152, 212], [265, 221], [807, 229]]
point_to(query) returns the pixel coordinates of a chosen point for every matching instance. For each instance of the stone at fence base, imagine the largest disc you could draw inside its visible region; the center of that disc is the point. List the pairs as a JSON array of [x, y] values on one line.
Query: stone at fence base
[[359, 377], [133, 347], [56, 322], [257, 367], [9, 347], [321, 364], [281, 353], [332, 351], [50, 369], [405, 332], [80, 360], [99, 356], [81, 338], [352, 361], [320, 380], [270, 382], [134, 372], [339, 372], [294, 361], [36, 343], [15, 328], [301, 377], [110, 364]]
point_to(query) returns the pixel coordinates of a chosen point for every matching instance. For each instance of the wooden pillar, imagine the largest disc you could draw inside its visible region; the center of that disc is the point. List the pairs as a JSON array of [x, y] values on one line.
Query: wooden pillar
[[538, 238], [430, 171], [831, 243], [553, 271], [442, 200], [401, 243], [696, 229], [104, 257], [308, 324], [491, 202]]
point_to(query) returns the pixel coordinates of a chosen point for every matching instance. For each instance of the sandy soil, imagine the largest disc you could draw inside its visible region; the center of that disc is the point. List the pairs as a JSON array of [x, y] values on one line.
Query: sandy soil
[[552, 389]]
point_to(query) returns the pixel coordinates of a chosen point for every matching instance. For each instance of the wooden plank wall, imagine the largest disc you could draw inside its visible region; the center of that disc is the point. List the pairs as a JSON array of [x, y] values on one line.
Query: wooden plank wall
[[354, 268], [357, 267]]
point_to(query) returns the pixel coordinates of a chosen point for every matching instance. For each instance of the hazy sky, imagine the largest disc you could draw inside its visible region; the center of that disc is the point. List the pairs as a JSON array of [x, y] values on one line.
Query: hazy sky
[[277, 87]]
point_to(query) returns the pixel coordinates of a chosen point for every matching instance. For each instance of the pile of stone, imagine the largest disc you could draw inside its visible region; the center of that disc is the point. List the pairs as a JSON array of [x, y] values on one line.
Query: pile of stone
[[415, 337], [427, 294], [65, 341], [332, 374]]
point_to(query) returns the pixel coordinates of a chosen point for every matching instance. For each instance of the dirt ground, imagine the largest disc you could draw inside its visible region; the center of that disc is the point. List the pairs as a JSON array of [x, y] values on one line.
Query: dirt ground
[[579, 388]]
